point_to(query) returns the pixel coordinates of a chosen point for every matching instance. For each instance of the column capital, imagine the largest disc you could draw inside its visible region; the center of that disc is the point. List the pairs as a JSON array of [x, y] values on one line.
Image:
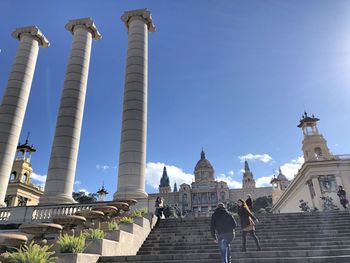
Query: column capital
[[142, 14], [34, 32], [88, 23]]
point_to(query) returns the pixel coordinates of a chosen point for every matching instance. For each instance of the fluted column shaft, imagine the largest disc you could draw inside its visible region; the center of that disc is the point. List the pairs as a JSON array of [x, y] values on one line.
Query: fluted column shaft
[[132, 157], [64, 152], [15, 100]]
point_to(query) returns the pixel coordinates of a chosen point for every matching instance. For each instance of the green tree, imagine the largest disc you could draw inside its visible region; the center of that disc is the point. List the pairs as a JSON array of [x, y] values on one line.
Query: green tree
[[264, 202], [232, 207], [83, 198]]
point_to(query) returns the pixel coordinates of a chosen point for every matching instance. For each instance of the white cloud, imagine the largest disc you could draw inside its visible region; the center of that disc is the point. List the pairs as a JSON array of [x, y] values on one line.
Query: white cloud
[[103, 167], [229, 180], [154, 172], [265, 158], [77, 182], [38, 179], [231, 173], [84, 190], [290, 169], [264, 181]]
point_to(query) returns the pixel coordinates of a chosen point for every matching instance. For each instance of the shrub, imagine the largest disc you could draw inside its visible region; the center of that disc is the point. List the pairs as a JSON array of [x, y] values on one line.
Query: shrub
[[72, 244], [33, 253], [127, 220], [113, 225], [94, 234], [139, 213]]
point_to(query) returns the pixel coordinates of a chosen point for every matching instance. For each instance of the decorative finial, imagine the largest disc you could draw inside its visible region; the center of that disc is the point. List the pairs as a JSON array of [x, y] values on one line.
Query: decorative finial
[[27, 137], [202, 154]]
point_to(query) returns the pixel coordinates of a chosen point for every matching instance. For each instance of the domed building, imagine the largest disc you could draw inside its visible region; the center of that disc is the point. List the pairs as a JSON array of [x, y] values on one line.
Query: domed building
[[203, 194]]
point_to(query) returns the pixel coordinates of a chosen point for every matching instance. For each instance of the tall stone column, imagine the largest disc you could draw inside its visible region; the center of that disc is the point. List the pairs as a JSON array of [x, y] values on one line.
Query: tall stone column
[[132, 157], [14, 102], [64, 152]]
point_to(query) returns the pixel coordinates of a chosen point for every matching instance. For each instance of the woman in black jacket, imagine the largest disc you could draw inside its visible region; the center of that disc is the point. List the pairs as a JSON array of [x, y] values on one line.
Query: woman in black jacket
[[247, 224], [342, 196]]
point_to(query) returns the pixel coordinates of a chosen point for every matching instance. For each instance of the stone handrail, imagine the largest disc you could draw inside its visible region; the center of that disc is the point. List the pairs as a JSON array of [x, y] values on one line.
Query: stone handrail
[[5, 214], [42, 213]]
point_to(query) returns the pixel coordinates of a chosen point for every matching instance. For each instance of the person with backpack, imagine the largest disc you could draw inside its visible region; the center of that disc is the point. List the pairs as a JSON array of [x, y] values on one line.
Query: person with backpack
[[222, 229]]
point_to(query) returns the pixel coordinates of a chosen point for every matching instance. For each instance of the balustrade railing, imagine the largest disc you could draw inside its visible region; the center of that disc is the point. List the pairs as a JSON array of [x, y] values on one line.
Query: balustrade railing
[[5, 214], [44, 213]]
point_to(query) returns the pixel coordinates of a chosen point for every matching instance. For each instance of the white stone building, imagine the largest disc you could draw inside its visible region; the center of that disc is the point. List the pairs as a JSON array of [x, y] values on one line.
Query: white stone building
[[318, 179], [205, 192]]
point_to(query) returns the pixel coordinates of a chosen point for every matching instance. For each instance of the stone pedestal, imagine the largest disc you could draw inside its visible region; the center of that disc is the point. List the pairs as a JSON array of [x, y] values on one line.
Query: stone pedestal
[[15, 99], [64, 153], [132, 157]]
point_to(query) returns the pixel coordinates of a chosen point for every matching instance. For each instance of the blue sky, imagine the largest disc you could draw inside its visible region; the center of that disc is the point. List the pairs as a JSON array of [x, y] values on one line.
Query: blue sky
[[233, 77]]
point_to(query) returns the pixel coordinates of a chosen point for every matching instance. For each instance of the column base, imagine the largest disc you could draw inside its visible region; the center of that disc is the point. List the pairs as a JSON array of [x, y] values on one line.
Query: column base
[[130, 195], [56, 199], [3, 204]]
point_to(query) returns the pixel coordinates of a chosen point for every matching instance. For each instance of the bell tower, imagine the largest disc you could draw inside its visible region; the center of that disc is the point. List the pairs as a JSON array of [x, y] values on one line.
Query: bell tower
[[314, 145], [20, 190], [164, 186], [248, 179], [22, 168]]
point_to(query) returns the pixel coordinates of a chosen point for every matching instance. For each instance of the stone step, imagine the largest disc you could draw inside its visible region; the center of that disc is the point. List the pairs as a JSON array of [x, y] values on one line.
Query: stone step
[[331, 259], [169, 225], [194, 239], [250, 247], [317, 245], [236, 255], [291, 238], [269, 232]]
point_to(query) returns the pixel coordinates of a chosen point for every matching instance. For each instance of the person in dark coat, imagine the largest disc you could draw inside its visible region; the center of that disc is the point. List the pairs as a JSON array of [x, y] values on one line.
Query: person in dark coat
[[159, 205], [222, 229], [248, 221], [249, 203], [342, 196]]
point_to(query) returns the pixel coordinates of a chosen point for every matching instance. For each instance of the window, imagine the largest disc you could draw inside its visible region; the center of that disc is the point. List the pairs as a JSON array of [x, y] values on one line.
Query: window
[[13, 177], [184, 198], [8, 200], [318, 151], [222, 194], [24, 178], [22, 201]]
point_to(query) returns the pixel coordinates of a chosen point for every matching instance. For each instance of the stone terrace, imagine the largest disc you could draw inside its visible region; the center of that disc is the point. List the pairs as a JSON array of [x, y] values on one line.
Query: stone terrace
[[297, 237]]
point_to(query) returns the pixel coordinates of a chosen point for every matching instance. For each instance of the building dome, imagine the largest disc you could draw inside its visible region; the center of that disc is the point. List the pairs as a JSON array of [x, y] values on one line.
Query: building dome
[[203, 163], [281, 176], [204, 170]]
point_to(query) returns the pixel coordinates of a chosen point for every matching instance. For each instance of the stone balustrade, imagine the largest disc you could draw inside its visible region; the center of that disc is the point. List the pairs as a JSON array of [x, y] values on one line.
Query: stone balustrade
[[5, 214], [42, 213]]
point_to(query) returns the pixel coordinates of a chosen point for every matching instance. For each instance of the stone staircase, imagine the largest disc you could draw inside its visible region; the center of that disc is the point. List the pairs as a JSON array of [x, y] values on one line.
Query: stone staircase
[[285, 238]]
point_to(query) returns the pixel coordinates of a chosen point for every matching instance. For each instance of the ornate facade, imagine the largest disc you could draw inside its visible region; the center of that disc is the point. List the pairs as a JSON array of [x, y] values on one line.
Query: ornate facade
[[20, 190], [318, 179], [205, 192]]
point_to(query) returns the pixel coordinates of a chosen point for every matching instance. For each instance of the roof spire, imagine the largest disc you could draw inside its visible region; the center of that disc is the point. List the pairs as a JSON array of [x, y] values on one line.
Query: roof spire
[[175, 187], [202, 154], [246, 166], [164, 181]]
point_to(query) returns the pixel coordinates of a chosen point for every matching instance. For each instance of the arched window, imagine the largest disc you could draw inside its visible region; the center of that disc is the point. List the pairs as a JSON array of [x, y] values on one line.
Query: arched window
[[318, 151], [13, 176], [222, 195], [24, 178]]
